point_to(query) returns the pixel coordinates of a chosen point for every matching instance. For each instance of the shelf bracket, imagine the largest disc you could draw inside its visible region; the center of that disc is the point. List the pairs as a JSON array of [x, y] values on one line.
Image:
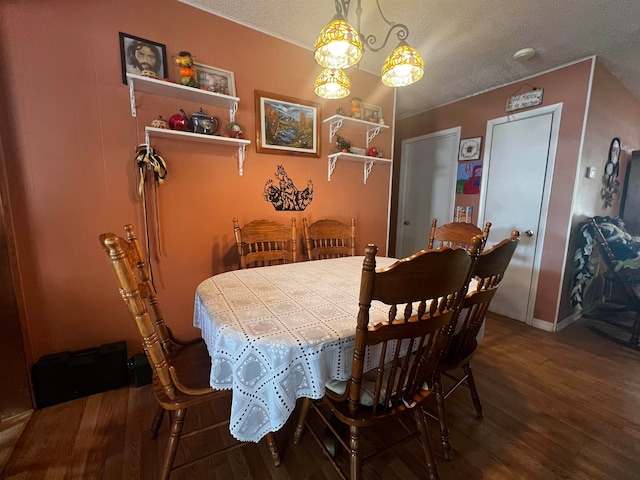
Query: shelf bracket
[[132, 99], [371, 133], [331, 165], [368, 165], [241, 150], [333, 129], [232, 113]]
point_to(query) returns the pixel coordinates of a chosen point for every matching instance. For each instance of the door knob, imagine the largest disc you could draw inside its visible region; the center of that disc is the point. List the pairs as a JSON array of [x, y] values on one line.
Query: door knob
[[529, 233], [407, 222]]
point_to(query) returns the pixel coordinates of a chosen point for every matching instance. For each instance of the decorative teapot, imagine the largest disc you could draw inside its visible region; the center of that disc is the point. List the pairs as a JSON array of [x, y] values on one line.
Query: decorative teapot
[[179, 121], [200, 122]]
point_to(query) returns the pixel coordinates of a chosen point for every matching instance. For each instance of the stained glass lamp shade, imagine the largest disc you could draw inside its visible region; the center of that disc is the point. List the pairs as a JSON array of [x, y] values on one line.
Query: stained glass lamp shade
[[332, 83], [403, 66], [338, 45]]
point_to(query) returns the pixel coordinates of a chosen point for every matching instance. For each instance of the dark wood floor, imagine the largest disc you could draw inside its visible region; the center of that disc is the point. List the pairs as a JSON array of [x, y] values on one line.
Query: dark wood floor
[[557, 406]]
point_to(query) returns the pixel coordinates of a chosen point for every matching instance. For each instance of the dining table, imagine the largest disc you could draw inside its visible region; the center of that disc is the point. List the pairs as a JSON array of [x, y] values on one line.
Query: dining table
[[278, 333]]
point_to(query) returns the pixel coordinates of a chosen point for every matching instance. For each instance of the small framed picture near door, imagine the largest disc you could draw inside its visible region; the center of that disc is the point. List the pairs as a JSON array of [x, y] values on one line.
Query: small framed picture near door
[[142, 57], [470, 149]]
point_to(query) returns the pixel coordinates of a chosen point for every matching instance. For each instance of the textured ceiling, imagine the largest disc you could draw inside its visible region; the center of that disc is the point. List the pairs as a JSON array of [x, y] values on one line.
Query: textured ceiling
[[467, 45]]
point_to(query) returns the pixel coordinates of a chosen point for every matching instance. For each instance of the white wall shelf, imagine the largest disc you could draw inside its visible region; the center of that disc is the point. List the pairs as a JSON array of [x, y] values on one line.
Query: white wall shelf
[[240, 143], [337, 121], [368, 162], [190, 94], [371, 129], [176, 90]]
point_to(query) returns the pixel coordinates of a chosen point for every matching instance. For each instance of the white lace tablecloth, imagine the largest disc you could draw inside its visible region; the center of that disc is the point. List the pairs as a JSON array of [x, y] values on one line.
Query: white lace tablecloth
[[276, 334]]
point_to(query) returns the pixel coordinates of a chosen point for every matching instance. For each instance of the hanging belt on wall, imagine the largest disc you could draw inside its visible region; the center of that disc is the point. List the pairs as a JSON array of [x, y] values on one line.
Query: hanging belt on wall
[[147, 159]]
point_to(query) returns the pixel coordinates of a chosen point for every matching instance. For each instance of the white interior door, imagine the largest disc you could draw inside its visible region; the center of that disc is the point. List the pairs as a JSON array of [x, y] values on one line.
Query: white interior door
[[516, 185], [427, 187]]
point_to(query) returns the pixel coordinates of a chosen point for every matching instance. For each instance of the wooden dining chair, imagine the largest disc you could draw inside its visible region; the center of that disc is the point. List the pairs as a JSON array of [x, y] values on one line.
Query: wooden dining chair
[[423, 294], [329, 239], [455, 234], [489, 272], [265, 242], [181, 369]]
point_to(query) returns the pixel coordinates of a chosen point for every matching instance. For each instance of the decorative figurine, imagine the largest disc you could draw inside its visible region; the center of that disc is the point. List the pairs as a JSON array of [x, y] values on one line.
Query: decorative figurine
[[235, 130], [342, 145], [187, 73], [355, 108], [149, 74], [340, 111]]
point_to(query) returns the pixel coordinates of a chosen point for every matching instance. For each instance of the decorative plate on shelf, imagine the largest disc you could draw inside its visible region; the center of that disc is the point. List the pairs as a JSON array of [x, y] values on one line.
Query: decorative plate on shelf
[[470, 148]]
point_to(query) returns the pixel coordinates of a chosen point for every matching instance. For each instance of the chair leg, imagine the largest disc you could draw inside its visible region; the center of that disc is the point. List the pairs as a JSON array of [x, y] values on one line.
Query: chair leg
[[157, 422], [273, 448], [474, 393], [635, 332], [304, 410], [355, 458], [421, 420], [172, 443], [442, 416]]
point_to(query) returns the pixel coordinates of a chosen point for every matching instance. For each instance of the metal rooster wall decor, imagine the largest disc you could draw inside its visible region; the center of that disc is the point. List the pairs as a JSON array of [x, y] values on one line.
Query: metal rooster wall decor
[[285, 195]]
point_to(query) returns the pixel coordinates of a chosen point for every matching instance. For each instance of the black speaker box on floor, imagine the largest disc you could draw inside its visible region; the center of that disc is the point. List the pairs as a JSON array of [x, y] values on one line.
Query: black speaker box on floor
[[140, 370], [63, 376]]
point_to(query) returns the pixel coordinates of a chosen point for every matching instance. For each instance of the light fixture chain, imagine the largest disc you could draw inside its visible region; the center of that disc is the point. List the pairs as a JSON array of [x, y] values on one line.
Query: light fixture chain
[[391, 24], [342, 8], [371, 40]]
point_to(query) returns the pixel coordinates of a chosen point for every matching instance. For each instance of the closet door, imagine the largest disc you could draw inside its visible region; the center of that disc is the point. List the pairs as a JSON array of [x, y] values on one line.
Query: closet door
[[630, 203]]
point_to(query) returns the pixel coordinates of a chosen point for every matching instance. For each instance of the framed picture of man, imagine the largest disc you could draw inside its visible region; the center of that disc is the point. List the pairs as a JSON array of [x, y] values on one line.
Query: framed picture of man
[[142, 57]]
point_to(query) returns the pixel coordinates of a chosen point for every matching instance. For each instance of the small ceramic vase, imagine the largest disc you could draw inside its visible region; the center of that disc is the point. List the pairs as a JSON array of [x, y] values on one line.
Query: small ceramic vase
[[160, 123]]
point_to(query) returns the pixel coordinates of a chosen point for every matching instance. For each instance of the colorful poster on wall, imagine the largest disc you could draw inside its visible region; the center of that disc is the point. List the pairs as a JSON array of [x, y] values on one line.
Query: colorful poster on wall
[[468, 180]]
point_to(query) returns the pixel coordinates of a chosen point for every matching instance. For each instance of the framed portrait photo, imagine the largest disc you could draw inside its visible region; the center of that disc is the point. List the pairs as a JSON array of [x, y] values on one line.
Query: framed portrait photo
[[286, 125], [470, 149], [215, 79], [370, 113], [142, 57]]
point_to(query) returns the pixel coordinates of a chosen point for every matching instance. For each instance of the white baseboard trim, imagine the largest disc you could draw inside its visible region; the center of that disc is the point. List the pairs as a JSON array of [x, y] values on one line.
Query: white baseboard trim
[[542, 325], [565, 322]]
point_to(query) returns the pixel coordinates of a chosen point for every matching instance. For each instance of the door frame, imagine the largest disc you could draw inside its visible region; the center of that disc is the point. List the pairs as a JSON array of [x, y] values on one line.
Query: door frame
[[404, 177], [556, 112]]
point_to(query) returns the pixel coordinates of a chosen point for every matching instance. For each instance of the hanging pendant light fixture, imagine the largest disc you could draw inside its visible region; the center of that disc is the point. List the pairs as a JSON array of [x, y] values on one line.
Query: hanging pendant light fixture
[[339, 46], [332, 83], [403, 66]]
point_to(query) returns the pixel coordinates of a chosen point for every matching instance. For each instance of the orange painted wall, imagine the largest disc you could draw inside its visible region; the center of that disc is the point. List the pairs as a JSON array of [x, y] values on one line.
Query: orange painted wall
[[69, 152], [613, 112], [569, 86]]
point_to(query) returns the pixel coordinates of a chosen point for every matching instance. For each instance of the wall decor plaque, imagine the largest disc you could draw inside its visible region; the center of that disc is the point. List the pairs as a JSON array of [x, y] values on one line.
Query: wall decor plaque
[[524, 100]]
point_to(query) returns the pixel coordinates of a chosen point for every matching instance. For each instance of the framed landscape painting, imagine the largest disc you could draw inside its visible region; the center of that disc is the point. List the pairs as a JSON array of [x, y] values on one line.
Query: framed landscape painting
[[286, 125]]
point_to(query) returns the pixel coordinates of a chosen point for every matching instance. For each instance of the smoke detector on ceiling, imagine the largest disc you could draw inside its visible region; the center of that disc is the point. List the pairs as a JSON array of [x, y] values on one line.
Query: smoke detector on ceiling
[[524, 54]]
